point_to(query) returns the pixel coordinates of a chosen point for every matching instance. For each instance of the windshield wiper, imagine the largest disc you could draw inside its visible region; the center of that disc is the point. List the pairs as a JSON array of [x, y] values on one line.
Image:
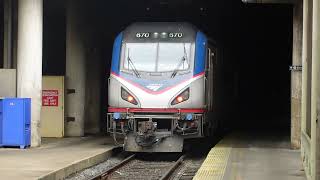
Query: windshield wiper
[[132, 65], [175, 71], [183, 59]]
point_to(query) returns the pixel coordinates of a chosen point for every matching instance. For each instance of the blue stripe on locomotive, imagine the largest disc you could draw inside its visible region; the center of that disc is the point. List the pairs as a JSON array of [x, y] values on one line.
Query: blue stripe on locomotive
[[116, 53], [200, 54]]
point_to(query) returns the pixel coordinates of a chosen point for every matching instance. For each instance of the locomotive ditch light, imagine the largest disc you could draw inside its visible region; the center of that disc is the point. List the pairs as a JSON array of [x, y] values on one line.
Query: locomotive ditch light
[[181, 97], [125, 95], [130, 98]]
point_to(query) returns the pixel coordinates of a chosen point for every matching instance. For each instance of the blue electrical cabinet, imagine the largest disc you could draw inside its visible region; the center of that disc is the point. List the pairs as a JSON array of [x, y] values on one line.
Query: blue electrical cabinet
[[15, 118]]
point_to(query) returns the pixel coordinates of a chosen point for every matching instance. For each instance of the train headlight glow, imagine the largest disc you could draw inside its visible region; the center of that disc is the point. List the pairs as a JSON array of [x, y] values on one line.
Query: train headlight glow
[[125, 95], [181, 97], [130, 98]]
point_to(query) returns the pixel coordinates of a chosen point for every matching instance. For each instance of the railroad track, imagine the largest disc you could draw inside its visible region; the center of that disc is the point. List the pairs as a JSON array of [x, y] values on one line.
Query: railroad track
[[187, 170], [134, 167]]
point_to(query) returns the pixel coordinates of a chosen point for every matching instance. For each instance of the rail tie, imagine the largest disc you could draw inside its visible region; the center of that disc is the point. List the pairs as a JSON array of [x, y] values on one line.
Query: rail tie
[[105, 174], [173, 168]]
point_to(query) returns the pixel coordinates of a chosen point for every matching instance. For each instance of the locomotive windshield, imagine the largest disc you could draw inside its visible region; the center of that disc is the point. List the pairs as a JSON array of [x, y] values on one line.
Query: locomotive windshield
[[156, 57]]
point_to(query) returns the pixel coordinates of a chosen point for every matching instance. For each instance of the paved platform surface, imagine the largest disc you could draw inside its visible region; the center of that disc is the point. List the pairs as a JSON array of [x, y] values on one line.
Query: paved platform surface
[[252, 157], [55, 159]]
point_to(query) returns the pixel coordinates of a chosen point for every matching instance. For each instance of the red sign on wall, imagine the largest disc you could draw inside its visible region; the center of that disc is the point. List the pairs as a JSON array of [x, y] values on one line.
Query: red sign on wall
[[50, 97]]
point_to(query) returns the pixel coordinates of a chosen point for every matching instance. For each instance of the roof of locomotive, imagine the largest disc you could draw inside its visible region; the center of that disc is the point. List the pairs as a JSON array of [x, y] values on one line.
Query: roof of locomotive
[[187, 30]]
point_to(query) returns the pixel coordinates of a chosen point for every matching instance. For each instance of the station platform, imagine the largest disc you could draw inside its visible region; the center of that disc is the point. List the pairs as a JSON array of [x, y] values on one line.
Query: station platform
[[55, 159], [250, 157]]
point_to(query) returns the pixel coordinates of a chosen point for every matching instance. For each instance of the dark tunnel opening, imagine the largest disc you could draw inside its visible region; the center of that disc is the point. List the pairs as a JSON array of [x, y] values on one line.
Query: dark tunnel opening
[[255, 43]]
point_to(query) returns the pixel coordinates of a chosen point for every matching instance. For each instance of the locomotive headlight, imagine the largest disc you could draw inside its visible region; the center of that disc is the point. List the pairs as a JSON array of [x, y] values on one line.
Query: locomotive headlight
[[125, 95], [181, 97]]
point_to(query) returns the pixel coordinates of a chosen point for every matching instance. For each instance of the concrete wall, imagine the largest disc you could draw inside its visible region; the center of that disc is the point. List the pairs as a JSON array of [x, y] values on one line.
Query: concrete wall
[[8, 83]]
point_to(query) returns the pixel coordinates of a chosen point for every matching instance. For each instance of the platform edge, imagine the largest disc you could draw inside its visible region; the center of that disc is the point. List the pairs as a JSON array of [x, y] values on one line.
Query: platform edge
[[215, 164], [77, 166]]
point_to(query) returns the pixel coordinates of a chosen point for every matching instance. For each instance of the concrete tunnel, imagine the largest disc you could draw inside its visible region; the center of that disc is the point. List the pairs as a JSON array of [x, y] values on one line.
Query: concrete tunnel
[[255, 43], [258, 43], [246, 81]]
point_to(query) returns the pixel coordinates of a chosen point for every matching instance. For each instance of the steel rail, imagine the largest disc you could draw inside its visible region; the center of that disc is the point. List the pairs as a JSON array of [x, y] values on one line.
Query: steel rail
[[173, 168], [105, 174]]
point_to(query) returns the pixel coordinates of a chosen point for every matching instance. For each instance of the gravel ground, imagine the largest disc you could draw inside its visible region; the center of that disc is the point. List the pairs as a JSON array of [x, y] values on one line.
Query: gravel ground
[[98, 169], [140, 170]]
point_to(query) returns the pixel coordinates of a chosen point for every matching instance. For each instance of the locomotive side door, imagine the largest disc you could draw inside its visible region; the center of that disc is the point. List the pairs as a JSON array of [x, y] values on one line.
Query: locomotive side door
[[213, 73], [209, 79]]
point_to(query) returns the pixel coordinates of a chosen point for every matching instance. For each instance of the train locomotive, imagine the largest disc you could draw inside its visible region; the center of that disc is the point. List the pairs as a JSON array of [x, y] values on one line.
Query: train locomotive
[[161, 86]]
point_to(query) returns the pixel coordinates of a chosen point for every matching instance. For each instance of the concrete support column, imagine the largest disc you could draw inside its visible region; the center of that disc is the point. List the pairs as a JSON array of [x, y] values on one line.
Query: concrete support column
[[315, 91], [7, 35], [306, 67], [75, 72], [93, 94], [306, 87], [29, 57], [296, 76]]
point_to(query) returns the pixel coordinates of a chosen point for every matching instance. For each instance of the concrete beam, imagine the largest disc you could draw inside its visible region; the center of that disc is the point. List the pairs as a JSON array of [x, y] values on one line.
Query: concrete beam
[[29, 57]]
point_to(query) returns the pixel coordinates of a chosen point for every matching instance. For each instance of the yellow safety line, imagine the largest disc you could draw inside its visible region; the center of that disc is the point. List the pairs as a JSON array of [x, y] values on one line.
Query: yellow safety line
[[215, 164]]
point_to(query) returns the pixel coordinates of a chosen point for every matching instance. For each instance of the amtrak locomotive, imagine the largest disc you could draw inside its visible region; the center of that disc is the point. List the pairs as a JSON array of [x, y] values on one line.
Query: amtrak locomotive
[[161, 86]]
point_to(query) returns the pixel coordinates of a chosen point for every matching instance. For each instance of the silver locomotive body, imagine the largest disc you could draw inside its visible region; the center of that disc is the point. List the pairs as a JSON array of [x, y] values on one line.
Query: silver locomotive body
[[160, 87]]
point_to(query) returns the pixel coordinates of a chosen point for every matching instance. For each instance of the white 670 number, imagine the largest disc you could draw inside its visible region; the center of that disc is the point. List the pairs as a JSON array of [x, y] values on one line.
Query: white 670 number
[[142, 35], [175, 35]]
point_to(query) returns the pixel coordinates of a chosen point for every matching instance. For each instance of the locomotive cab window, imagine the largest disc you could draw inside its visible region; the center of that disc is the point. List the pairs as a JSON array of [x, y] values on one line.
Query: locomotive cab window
[[141, 56], [157, 57]]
